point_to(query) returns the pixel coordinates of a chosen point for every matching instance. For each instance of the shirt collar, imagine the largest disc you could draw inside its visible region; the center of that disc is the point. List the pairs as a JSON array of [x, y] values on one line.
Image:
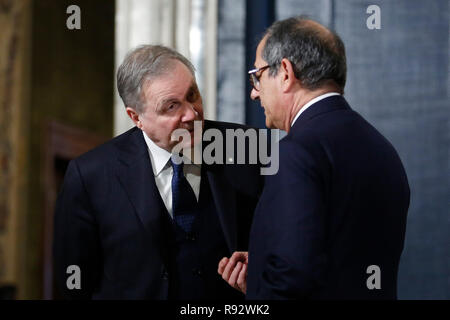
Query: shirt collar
[[160, 157], [311, 102]]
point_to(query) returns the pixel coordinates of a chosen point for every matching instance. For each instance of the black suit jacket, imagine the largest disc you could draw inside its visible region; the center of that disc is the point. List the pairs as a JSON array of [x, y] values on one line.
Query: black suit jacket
[[110, 218], [337, 206]]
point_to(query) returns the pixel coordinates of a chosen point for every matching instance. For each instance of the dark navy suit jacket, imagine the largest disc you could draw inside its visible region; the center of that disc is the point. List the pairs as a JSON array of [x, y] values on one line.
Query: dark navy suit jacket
[[110, 218], [337, 206]]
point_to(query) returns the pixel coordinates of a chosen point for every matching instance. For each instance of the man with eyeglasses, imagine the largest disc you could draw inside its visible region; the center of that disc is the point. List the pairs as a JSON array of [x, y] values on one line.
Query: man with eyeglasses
[[331, 224]]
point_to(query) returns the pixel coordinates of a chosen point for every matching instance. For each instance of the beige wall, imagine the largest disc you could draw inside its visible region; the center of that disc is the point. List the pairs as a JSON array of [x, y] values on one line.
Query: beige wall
[[47, 73], [15, 24]]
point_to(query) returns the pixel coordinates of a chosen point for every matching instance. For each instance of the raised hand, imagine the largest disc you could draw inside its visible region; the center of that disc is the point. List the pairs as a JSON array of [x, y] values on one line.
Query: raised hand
[[234, 270]]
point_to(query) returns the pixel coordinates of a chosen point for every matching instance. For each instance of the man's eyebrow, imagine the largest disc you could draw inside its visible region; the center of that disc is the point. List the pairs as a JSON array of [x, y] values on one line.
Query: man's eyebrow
[[165, 101], [192, 87], [169, 99]]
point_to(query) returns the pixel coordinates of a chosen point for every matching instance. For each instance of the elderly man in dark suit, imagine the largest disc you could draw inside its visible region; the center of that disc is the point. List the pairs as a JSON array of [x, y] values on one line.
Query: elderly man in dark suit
[[135, 221], [331, 223]]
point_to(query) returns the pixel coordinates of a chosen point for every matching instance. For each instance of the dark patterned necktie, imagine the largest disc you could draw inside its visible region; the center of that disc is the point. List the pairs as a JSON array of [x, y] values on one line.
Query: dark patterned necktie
[[184, 202]]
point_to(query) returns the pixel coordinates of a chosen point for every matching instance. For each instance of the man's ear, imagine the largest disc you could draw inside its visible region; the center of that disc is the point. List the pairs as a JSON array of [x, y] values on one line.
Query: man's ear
[[288, 78], [134, 116]]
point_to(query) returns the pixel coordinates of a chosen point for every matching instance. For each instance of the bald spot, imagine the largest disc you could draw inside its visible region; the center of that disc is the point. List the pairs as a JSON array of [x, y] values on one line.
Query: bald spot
[[322, 32]]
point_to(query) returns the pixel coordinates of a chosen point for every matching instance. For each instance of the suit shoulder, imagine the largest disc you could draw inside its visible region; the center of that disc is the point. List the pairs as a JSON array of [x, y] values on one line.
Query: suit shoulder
[[106, 151]]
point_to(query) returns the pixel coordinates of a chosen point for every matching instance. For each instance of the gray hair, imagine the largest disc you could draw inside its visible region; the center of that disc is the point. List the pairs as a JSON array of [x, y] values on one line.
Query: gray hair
[[142, 64], [317, 56]]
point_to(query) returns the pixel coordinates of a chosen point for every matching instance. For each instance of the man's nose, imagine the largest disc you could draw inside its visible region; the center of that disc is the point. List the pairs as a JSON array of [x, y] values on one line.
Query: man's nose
[[190, 113], [254, 94]]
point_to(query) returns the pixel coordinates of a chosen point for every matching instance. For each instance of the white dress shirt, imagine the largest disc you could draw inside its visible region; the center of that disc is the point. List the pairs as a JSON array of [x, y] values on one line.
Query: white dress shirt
[[163, 171], [310, 103]]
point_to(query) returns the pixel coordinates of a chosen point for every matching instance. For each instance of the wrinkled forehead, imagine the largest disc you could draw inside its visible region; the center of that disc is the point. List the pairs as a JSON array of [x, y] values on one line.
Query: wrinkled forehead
[[168, 67], [174, 71], [175, 83]]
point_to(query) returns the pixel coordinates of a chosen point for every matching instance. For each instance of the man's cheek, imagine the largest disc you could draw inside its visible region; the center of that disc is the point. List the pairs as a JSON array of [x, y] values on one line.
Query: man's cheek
[[199, 110]]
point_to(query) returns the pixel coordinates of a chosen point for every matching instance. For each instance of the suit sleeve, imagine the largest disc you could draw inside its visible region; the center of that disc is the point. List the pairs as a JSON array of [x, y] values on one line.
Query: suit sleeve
[[76, 240], [292, 216]]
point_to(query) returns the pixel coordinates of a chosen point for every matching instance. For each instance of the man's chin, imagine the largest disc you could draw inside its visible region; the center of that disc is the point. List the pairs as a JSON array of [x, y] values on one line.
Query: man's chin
[[269, 124]]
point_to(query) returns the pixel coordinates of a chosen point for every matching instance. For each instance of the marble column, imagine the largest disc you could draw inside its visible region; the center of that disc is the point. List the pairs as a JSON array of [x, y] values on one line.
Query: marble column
[[189, 26], [231, 67]]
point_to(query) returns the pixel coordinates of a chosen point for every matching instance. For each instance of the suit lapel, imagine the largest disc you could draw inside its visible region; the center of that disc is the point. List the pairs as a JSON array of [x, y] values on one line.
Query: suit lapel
[[225, 200], [223, 194], [136, 176]]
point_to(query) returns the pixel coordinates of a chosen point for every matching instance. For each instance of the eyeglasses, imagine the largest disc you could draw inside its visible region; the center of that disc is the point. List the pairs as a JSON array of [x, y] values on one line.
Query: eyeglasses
[[254, 78]]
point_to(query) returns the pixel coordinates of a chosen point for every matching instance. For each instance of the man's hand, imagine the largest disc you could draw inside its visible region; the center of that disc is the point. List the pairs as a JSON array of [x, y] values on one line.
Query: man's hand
[[234, 270]]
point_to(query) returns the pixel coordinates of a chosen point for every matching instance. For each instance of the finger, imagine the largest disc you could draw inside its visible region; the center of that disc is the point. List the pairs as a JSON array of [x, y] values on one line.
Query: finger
[[234, 275], [237, 256], [228, 269], [242, 279], [222, 265], [240, 256], [246, 257]]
